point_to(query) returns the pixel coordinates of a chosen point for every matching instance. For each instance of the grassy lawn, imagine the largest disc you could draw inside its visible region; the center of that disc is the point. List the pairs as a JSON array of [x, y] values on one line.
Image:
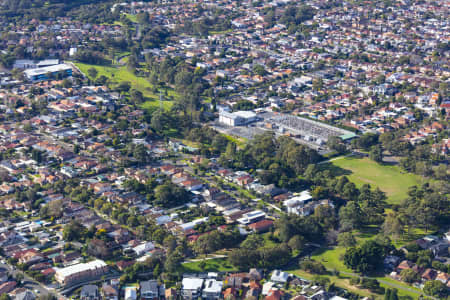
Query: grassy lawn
[[120, 73], [343, 281], [154, 104], [211, 265], [390, 179], [330, 258], [239, 141], [220, 32], [267, 241], [132, 18]]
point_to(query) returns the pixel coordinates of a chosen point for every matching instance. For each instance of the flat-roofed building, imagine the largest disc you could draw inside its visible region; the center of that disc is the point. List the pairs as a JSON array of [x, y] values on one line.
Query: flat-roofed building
[[238, 118], [252, 217], [191, 287], [81, 272], [45, 73]]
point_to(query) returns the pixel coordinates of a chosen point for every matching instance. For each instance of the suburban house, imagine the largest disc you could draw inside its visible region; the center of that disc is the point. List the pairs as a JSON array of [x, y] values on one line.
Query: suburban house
[[191, 287]]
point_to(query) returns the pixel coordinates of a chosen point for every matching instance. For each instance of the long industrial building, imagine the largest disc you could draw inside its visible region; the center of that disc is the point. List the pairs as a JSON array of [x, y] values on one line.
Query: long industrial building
[[308, 130], [39, 74]]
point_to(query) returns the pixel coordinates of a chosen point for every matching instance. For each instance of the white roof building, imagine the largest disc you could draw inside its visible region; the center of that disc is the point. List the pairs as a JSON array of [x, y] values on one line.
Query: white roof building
[[267, 287], [77, 272], [144, 247], [191, 225], [191, 287], [279, 276], [251, 217], [237, 118], [294, 203], [337, 298], [192, 283], [213, 289]]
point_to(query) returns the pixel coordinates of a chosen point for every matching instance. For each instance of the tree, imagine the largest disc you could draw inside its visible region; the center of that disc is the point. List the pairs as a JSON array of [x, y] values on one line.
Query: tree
[[350, 216], [137, 96], [170, 195], [19, 278], [364, 259], [259, 70], [435, 288], [173, 261], [202, 265], [5, 296], [208, 243], [123, 87], [441, 172], [275, 256], [393, 295], [253, 241], [335, 143], [409, 276], [376, 154], [297, 243], [73, 231], [312, 266], [243, 258], [387, 294], [92, 72], [346, 239], [392, 225]]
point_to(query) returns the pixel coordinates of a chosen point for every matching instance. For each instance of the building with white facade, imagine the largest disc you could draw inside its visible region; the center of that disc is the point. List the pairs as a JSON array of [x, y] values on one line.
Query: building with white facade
[[238, 118], [81, 272]]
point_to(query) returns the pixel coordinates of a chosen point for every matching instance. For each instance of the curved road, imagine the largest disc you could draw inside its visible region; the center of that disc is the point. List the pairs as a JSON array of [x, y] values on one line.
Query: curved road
[[29, 282]]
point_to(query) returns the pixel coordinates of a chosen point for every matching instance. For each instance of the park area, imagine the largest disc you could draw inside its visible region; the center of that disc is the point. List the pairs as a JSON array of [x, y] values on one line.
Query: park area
[[117, 74], [389, 178], [208, 265]]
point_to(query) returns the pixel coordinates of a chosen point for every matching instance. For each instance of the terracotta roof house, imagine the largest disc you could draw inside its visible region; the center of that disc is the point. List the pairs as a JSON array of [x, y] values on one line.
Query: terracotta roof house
[[443, 277], [429, 274], [261, 226], [405, 265], [123, 264], [274, 295]]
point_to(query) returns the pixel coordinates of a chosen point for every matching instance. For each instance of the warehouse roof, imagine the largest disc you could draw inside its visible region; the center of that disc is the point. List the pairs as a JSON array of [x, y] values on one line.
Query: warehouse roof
[[45, 70], [95, 264]]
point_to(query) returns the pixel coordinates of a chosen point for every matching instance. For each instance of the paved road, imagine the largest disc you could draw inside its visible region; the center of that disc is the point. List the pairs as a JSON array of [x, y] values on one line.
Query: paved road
[[215, 256], [29, 282]]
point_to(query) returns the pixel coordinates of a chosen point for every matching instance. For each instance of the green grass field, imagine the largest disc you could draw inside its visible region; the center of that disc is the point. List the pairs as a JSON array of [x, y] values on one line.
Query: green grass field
[[211, 265], [120, 73], [154, 104], [331, 259], [390, 179], [132, 18]]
